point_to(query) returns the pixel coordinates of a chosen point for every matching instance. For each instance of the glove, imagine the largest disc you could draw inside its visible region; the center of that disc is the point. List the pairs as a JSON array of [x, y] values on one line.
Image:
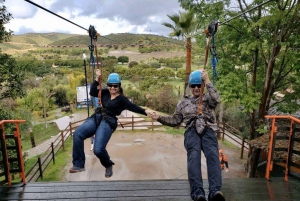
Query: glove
[[227, 169]]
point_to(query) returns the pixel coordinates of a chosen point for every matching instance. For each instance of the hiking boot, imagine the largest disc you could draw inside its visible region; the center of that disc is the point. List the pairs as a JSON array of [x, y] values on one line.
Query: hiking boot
[[218, 196], [200, 198], [75, 169], [108, 171]]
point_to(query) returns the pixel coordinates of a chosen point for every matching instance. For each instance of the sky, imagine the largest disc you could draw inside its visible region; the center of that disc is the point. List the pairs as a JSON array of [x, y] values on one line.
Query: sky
[[107, 16]]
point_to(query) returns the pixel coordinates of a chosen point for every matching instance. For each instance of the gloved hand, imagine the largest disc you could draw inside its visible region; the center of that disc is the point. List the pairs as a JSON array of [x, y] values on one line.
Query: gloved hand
[[227, 169]]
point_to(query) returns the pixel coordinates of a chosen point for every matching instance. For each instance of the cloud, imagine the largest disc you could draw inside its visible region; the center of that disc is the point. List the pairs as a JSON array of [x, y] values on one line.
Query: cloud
[[108, 16], [21, 10]]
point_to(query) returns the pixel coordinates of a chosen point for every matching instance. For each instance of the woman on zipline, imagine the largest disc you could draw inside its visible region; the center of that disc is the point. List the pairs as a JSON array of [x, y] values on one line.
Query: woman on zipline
[[102, 123]]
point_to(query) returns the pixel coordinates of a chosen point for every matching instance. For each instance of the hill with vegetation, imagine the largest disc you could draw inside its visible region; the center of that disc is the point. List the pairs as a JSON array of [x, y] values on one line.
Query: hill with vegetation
[[121, 38], [32, 41], [40, 38]]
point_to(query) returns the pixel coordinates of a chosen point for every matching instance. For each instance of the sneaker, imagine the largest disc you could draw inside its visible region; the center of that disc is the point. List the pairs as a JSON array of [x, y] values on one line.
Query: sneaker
[[200, 198], [108, 172], [218, 196], [75, 169]]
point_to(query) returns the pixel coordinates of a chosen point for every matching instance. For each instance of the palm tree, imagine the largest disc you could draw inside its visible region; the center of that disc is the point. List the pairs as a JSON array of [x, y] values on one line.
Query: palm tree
[[184, 25]]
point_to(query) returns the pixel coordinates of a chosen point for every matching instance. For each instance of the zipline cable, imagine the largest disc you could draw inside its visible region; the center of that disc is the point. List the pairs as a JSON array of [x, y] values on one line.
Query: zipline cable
[[65, 18], [247, 11], [55, 14], [210, 32]]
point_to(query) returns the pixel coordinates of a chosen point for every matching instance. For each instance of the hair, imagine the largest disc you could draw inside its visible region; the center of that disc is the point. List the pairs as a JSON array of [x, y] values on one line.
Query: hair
[[120, 89]]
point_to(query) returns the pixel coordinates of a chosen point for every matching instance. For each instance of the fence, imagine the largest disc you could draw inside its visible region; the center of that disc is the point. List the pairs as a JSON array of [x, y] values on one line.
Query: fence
[[129, 123], [36, 171]]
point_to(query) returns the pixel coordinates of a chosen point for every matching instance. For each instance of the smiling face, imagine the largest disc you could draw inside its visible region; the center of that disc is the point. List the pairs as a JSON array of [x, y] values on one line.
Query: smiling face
[[113, 88], [195, 89]]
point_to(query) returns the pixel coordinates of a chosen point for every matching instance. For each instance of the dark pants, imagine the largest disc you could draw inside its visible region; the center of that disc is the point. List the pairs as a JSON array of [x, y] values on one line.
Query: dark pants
[[208, 143], [102, 135]]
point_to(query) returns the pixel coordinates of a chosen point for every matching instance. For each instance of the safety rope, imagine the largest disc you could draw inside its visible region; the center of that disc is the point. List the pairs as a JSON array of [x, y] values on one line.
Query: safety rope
[[214, 59], [93, 35], [210, 31]]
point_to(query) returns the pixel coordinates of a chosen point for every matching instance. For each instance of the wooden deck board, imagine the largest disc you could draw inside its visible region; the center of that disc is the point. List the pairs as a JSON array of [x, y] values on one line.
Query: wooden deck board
[[177, 190]]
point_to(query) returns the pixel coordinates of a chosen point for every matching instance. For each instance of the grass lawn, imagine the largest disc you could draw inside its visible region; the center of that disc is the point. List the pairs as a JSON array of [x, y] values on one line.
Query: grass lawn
[[40, 134], [54, 171]]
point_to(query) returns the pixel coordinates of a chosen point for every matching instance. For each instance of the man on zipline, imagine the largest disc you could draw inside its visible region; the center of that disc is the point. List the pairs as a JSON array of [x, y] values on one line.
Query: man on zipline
[[199, 135]]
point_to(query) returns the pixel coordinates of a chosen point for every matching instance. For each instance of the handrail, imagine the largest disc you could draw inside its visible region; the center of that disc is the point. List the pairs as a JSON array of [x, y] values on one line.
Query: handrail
[[283, 117], [12, 121], [18, 149], [272, 143]]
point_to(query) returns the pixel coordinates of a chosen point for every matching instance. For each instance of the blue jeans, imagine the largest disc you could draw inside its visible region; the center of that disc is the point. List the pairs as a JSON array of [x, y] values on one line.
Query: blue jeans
[[208, 143], [102, 135], [92, 139]]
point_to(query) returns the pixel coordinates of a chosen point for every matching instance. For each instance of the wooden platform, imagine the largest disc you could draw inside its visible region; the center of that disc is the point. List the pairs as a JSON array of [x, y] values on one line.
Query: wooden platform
[[233, 189]]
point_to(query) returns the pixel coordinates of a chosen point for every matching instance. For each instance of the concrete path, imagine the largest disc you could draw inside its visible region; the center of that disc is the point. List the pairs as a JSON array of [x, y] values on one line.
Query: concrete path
[[63, 122]]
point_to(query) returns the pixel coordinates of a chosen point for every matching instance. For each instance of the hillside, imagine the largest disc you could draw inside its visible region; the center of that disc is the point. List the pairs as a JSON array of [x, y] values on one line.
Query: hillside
[[39, 38], [32, 41], [121, 38]]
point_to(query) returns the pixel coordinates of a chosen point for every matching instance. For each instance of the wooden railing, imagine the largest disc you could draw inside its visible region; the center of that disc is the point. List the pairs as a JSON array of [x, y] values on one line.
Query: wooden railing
[[36, 171], [11, 159], [235, 135], [294, 122]]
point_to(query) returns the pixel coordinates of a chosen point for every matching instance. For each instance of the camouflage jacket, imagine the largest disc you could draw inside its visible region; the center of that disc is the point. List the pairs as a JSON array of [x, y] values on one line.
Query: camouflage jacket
[[186, 110]]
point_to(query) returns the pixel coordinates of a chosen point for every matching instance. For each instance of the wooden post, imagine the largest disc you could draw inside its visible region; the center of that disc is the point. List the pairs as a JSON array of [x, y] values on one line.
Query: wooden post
[[218, 131], [242, 150], [270, 159], [152, 124], [62, 140], [223, 130], [31, 138], [70, 125], [290, 151], [40, 167], [52, 151], [132, 122]]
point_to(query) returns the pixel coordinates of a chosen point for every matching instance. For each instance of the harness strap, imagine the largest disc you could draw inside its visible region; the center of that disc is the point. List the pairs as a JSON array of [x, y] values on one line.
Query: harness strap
[[104, 113]]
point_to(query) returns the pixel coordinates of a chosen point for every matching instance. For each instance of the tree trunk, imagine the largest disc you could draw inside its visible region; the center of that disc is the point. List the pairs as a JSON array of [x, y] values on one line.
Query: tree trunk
[[251, 152], [253, 162], [188, 64]]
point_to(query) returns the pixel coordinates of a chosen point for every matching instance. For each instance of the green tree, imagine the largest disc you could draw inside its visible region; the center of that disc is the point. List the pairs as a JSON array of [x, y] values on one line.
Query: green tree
[[184, 25], [60, 94], [123, 59], [257, 57], [10, 79], [5, 18]]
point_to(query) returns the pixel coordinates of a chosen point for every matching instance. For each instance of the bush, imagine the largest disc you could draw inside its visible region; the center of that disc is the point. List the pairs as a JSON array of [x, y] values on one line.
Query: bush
[[132, 64]]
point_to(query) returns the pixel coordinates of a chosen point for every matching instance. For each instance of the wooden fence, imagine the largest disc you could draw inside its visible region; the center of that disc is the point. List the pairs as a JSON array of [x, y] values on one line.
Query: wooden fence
[[36, 171]]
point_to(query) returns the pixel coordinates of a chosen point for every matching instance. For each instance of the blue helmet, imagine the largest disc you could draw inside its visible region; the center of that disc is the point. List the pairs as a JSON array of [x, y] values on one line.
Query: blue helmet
[[114, 78], [195, 77]]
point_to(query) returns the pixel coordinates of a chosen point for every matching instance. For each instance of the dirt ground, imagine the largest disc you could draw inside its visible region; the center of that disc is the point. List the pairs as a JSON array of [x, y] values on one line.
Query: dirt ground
[[137, 56], [146, 155]]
